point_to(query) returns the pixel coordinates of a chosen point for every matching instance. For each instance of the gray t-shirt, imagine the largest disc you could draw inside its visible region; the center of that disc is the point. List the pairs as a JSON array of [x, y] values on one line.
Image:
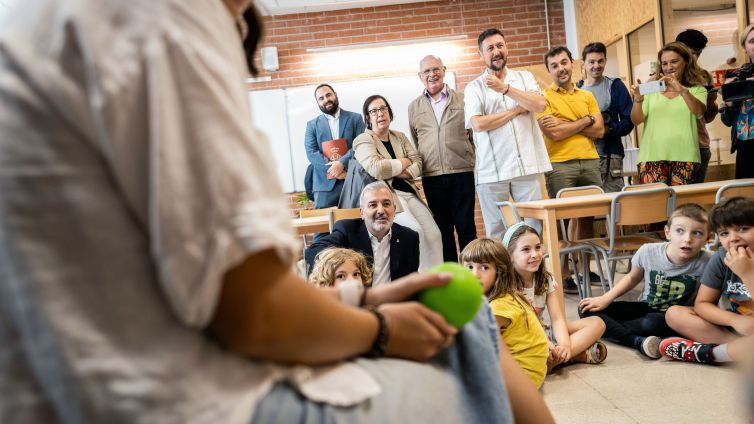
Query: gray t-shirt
[[601, 92], [665, 283], [719, 277]]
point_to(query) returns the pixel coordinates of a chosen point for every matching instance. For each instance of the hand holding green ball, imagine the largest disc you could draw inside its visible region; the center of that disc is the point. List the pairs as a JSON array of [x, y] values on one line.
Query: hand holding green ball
[[459, 300]]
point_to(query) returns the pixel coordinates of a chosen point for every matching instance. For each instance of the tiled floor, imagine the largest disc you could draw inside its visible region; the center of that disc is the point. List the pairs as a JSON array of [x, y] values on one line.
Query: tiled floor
[[629, 388]]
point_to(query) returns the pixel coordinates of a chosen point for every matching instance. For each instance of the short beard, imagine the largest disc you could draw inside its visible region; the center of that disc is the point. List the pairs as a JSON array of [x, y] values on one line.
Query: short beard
[[495, 68], [332, 109], [379, 227]]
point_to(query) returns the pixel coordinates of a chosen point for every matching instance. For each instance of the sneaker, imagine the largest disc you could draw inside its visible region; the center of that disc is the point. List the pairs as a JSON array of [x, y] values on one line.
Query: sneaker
[[650, 347], [686, 350], [569, 286], [596, 353]]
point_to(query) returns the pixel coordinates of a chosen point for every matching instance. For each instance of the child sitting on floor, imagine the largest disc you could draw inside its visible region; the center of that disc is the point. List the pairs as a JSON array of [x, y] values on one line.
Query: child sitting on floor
[[671, 271], [568, 341], [721, 335], [518, 323], [335, 265]]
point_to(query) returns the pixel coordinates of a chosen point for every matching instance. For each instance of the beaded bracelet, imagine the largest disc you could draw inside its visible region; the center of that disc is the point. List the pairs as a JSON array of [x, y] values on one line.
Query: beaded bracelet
[[379, 347]]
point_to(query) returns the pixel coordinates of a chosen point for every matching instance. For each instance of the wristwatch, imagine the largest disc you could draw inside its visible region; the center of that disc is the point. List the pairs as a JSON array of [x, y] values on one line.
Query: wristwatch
[[349, 292], [591, 120]]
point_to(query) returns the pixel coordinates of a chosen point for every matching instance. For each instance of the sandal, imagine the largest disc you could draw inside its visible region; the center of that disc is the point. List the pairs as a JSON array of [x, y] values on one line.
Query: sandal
[[596, 353]]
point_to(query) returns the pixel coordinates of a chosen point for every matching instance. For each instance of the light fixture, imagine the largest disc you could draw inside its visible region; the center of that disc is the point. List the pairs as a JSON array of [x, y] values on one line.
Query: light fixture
[[383, 58], [265, 78], [386, 43]]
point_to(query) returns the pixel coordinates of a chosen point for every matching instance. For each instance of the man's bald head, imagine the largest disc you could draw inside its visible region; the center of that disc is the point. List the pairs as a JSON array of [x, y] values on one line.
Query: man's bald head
[[429, 58], [432, 74]]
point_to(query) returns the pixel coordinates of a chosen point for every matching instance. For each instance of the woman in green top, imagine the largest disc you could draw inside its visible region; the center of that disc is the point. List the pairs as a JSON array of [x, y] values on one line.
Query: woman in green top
[[669, 152]]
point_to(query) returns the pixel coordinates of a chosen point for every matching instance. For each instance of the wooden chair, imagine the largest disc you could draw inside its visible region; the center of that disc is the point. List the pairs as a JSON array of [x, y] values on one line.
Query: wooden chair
[[744, 188], [660, 234], [633, 207], [510, 216], [508, 213], [633, 187], [308, 213], [338, 214], [577, 246]]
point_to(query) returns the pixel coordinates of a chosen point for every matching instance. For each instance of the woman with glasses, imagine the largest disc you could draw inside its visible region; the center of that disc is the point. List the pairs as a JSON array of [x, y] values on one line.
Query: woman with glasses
[[388, 155]]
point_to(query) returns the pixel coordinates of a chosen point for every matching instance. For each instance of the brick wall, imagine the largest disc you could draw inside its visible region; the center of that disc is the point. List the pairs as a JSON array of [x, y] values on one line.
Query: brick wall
[[522, 21]]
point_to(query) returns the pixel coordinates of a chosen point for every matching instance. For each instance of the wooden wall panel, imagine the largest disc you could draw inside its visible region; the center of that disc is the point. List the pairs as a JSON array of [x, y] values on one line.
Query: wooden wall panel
[[606, 20]]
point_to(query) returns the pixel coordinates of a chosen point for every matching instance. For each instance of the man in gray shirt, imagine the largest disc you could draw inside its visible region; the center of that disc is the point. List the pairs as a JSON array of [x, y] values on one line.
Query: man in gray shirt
[[615, 105]]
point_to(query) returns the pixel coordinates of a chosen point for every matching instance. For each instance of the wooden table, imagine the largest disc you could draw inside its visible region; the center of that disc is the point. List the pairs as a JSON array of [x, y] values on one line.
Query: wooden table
[[311, 225], [552, 210]]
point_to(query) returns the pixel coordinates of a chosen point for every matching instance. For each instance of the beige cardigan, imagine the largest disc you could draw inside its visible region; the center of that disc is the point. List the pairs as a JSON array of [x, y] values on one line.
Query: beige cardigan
[[376, 160]]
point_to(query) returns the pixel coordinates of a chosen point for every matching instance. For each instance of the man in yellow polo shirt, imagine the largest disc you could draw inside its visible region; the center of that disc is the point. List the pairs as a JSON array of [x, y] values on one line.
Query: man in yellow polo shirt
[[570, 123]]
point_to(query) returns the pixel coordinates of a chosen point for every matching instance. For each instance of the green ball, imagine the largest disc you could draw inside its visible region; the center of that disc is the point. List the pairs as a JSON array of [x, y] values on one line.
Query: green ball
[[459, 300]]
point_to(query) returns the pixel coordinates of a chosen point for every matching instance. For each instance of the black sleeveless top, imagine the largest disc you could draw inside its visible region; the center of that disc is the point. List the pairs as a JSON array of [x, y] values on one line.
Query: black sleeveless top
[[398, 183]]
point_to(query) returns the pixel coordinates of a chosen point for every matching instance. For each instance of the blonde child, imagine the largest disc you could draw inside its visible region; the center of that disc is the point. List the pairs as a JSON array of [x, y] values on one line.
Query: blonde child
[[515, 317], [568, 341], [335, 265]]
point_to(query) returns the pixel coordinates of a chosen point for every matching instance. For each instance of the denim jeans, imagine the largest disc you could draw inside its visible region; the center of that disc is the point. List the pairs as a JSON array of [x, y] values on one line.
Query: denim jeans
[[471, 388]]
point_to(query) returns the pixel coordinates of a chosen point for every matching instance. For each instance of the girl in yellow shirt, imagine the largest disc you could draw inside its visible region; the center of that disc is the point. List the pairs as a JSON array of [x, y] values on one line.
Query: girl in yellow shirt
[[519, 326], [568, 341]]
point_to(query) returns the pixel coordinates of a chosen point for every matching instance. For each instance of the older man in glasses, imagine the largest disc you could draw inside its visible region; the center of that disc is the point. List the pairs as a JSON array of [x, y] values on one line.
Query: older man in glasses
[[438, 130]]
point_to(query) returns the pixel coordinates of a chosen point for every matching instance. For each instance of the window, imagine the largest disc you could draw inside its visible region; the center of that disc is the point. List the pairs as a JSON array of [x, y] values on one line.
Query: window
[[642, 51], [616, 66]]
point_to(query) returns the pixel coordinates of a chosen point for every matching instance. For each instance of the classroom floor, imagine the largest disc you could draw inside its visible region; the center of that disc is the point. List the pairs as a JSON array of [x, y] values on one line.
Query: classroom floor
[[630, 388]]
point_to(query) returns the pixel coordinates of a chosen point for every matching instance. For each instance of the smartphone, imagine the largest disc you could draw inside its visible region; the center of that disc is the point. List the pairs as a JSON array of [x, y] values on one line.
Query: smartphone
[[652, 87]]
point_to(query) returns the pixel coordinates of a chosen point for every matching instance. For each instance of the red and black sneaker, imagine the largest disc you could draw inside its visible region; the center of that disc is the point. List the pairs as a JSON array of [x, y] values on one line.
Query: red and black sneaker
[[686, 350]]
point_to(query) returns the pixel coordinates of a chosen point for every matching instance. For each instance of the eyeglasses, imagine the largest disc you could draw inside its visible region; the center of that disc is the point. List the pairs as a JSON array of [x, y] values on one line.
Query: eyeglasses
[[428, 72], [374, 112]]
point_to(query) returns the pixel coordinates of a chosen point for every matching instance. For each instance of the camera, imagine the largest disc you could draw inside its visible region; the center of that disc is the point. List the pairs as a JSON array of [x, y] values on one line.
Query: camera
[[741, 88], [608, 122]]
